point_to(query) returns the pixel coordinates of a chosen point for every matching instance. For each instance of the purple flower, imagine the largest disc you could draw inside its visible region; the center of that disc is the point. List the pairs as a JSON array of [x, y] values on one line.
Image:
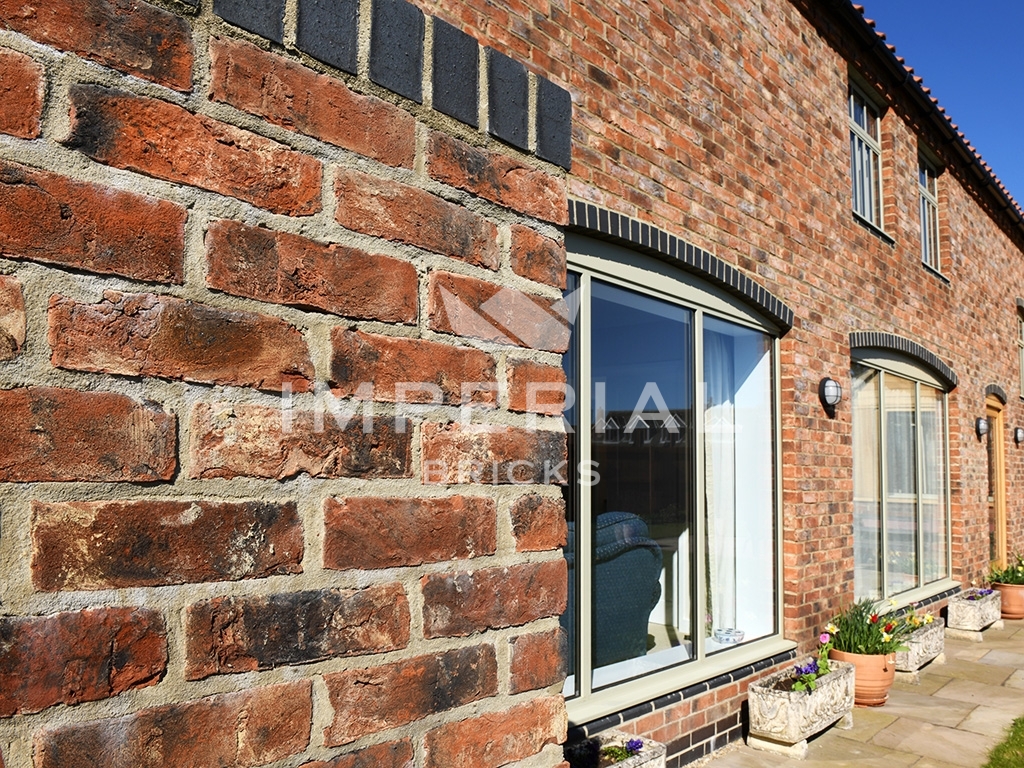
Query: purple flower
[[633, 746], [808, 669]]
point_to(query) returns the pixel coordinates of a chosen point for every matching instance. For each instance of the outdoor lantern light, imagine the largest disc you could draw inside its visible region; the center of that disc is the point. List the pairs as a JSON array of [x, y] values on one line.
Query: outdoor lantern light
[[981, 426], [830, 392], [1018, 435]]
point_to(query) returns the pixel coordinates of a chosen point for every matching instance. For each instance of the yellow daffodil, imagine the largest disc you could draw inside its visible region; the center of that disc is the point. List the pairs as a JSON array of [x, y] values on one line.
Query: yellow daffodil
[[831, 628], [886, 637]]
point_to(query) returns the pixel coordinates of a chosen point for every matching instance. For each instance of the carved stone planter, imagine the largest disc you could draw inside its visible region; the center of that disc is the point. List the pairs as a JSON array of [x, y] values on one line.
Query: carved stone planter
[[966, 617], [925, 644], [587, 753], [781, 721]]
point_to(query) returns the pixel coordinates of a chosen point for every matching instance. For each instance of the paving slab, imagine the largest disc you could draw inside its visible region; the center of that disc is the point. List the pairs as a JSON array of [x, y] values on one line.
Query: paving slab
[[978, 670], [936, 741], [919, 706], [867, 721], [1001, 658], [1016, 680], [971, 692], [989, 721]]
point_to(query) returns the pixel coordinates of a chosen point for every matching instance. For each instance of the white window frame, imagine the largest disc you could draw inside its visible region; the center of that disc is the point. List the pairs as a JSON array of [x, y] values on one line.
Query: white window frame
[[931, 253], [1020, 347], [888, 363], [626, 268], [865, 158]]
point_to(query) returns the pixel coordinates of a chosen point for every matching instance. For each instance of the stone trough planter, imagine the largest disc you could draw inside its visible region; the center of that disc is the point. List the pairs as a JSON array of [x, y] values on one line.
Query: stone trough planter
[[782, 721], [586, 754], [926, 644], [966, 617]]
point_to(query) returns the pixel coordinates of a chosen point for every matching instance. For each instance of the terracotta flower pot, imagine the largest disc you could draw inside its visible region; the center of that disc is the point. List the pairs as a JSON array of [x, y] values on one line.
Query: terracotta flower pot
[[1013, 600], [873, 677]]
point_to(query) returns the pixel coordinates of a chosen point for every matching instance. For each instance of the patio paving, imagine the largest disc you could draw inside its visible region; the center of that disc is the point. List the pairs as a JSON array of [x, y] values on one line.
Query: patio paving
[[958, 712]]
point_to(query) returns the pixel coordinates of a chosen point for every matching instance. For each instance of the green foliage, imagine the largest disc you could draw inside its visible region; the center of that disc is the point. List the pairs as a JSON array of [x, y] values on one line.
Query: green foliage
[[1009, 754], [863, 628], [807, 675], [1013, 573]]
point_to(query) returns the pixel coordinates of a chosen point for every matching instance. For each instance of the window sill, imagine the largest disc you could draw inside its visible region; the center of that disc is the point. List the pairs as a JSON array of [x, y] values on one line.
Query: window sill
[[874, 229], [934, 272]]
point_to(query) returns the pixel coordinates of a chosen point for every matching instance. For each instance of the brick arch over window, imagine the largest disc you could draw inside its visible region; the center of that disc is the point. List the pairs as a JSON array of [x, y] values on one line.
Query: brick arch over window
[[998, 392], [890, 341], [616, 228]]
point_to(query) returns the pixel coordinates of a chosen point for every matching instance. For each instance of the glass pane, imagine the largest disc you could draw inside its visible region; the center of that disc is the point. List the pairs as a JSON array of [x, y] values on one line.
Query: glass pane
[[993, 511], [874, 181], [867, 498], [738, 481], [901, 484], [642, 506], [570, 492], [933, 476]]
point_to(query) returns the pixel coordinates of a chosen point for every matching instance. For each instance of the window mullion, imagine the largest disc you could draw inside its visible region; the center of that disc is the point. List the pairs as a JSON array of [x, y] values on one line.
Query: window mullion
[[883, 480], [700, 503], [919, 469], [584, 529]]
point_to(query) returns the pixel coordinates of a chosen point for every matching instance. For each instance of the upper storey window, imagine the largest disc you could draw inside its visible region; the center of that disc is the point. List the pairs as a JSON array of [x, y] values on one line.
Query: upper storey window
[[865, 158], [928, 189]]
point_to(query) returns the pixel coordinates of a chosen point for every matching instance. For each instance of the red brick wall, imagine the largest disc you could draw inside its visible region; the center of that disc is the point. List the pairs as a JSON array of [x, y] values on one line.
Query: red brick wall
[[208, 246]]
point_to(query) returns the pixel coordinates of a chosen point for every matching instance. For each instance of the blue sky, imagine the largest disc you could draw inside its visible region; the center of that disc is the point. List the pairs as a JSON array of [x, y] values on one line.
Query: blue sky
[[971, 54]]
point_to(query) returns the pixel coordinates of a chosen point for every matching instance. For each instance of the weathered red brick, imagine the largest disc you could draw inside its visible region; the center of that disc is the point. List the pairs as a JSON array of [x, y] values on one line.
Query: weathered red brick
[[538, 523], [149, 335], [293, 96], [442, 370], [478, 309], [395, 211], [132, 36], [254, 441], [21, 93], [169, 142], [535, 387], [289, 269], [498, 738], [50, 434], [536, 257], [236, 730], [49, 218], [538, 660], [392, 754], [492, 454], [113, 544], [371, 532], [78, 656], [240, 634], [497, 177], [12, 317], [370, 700], [458, 604]]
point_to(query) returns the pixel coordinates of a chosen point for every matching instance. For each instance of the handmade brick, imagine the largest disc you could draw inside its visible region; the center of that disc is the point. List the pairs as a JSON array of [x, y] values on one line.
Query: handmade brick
[[538, 660], [12, 317], [371, 532], [255, 441], [538, 523], [50, 434], [492, 454], [536, 257], [395, 211], [328, 30], [169, 142], [128, 35], [392, 754], [478, 309], [52, 219], [240, 634], [249, 728], [507, 99], [289, 269], [295, 97], [78, 656], [536, 387], [150, 335], [388, 362], [456, 75], [396, 47], [497, 177], [554, 123], [498, 738], [123, 544], [262, 17], [459, 604], [366, 701], [21, 93]]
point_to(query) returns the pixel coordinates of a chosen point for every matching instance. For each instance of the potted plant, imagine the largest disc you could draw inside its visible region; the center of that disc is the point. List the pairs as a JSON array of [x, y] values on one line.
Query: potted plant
[[971, 611], [789, 706], [1009, 582], [869, 639], [616, 748], [926, 642]]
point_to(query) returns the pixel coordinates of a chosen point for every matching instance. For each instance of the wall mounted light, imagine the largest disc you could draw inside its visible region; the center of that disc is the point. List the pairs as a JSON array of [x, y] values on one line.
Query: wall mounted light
[[1018, 435], [830, 393], [981, 426]]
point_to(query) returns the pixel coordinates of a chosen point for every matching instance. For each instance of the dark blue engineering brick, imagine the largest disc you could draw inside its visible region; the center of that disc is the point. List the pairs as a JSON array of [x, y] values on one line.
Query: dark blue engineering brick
[[554, 123], [508, 96], [261, 17], [396, 48], [456, 73], [329, 31]]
